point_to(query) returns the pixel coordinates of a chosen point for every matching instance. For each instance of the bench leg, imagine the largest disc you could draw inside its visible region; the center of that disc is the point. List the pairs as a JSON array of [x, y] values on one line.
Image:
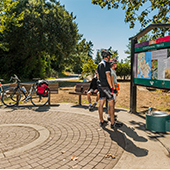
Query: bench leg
[[79, 99], [49, 100], [17, 99]]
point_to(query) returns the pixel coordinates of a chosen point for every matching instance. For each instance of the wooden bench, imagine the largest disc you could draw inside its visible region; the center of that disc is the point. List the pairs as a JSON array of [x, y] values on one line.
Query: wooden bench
[[80, 90], [53, 88]]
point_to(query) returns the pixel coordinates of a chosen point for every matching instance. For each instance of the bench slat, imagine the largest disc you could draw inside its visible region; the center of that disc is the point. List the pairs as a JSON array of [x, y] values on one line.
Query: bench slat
[[78, 87]]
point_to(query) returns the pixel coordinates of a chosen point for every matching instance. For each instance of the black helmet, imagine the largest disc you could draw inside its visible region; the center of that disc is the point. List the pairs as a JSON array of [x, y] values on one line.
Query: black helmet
[[106, 53]]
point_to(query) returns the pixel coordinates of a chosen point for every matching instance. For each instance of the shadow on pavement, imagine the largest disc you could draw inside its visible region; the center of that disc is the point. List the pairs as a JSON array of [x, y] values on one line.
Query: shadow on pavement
[[29, 107], [96, 108], [140, 125], [131, 133], [87, 108], [125, 143]]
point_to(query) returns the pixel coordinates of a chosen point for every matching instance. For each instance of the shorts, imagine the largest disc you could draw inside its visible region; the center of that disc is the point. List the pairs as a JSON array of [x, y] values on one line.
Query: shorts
[[92, 91], [105, 93]]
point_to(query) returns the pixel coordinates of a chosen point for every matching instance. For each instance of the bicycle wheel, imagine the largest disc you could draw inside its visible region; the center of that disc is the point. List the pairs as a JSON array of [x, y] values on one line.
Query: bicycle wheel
[[11, 97], [38, 100]]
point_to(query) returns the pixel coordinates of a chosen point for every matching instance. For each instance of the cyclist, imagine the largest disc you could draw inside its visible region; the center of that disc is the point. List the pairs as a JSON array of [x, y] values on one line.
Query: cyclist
[[93, 90], [106, 89], [113, 65]]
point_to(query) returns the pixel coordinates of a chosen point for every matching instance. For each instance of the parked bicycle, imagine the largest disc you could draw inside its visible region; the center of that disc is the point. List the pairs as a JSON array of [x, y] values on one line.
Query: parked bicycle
[[1, 89], [11, 96]]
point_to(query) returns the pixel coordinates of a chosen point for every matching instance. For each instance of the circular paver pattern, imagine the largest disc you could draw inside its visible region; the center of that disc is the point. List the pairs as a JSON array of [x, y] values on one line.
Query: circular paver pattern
[[71, 135], [15, 137]]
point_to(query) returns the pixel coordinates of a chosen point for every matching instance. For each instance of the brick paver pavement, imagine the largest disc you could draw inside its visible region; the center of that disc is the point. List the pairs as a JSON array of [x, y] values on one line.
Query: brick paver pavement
[[70, 134]]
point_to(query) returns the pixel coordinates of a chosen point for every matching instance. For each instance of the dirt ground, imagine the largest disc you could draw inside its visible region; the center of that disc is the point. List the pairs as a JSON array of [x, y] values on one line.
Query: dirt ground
[[157, 99]]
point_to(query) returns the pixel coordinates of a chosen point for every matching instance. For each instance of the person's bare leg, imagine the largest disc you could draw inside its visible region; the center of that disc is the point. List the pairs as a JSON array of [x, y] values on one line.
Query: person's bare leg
[[100, 109], [111, 111], [97, 98], [88, 97]]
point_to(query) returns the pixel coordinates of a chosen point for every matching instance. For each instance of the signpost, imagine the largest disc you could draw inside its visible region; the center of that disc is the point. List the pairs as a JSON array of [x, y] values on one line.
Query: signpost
[[150, 63]]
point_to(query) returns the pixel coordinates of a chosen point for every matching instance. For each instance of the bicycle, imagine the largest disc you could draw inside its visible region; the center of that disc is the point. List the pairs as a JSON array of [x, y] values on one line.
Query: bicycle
[[12, 95], [1, 89]]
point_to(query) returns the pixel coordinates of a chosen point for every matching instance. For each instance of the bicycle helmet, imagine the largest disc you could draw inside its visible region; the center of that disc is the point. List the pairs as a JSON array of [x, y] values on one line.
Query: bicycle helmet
[[112, 61], [105, 53]]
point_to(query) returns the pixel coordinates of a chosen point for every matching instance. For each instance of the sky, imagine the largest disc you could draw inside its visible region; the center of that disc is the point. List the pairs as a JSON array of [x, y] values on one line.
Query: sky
[[103, 27]]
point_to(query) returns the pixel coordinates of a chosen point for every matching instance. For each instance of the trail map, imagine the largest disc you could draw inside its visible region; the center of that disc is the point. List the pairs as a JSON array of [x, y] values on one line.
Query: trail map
[[144, 65]]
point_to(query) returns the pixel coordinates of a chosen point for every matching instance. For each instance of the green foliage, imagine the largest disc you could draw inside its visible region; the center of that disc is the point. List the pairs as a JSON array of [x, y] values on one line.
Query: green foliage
[[44, 39], [123, 70], [135, 11], [89, 67], [8, 16], [98, 58]]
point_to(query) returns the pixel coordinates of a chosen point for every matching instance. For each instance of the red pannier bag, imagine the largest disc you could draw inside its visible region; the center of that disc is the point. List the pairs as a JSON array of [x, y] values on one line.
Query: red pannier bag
[[42, 88]]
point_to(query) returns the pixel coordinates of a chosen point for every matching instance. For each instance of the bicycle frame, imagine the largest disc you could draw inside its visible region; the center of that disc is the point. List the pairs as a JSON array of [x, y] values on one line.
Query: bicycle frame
[[27, 97], [1, 89]]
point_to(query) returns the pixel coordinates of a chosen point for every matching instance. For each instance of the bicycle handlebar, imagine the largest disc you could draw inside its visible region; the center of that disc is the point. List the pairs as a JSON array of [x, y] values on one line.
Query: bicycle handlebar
[[15, 78]]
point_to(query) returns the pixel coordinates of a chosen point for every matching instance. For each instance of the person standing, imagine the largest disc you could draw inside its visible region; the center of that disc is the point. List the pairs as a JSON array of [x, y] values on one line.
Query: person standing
[[106, 89], [113, 66]]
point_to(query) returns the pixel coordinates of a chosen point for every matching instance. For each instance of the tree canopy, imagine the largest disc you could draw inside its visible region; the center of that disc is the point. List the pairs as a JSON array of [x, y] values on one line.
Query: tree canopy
[[140, 10], [44, 37]]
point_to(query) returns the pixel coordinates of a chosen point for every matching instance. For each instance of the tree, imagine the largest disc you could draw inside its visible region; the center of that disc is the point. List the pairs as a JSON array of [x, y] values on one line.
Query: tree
[[160, 9], [98, 58], [89, 67], [80, 55], [47, 38], [123, 70], [7, 16]]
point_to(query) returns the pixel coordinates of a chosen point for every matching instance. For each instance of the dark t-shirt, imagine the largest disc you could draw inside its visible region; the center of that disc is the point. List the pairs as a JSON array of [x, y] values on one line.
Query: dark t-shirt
[[102, 69], [93, 84]]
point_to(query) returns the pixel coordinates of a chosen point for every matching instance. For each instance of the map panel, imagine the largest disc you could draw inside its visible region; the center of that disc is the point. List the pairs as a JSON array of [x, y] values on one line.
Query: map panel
[[144, 65], [152, 63]]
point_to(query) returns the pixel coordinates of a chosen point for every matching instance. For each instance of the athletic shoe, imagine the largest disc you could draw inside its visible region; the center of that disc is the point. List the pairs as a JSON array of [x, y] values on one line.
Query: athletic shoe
[[90, 108], [101, 124], [116, 125], [108, 118], [94, 105]]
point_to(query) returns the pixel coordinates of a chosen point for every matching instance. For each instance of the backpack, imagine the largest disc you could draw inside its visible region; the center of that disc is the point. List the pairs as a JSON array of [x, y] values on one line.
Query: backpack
[[42, 88]]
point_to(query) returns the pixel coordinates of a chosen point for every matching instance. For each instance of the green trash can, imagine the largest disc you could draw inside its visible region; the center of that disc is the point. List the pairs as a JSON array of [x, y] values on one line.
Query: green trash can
[[156, 121], [168, 125]]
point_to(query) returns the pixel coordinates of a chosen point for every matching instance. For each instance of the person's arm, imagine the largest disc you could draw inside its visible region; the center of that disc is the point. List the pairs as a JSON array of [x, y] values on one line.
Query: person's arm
[[109, 79], [113, 84], [91, 84]]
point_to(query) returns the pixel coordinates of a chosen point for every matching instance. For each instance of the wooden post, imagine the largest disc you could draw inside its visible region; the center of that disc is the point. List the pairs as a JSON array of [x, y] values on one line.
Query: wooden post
[[79, 99], [49, 99], [132, 84]]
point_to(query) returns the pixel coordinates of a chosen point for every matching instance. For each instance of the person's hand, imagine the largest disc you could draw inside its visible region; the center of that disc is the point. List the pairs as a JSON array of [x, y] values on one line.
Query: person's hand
[[112, 90], [115, 91]]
